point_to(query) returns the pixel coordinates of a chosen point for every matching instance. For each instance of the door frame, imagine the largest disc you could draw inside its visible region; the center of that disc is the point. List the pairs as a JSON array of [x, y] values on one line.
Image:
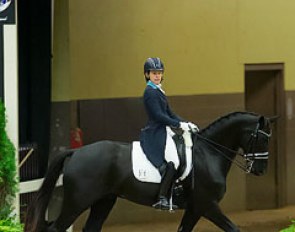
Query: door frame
[[280, 124]]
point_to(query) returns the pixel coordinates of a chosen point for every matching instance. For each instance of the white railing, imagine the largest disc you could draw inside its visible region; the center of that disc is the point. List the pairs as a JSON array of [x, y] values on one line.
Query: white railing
[[34, 185]]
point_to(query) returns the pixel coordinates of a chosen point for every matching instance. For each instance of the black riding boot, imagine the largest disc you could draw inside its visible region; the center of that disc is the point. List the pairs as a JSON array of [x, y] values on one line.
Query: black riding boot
[[166, 183]]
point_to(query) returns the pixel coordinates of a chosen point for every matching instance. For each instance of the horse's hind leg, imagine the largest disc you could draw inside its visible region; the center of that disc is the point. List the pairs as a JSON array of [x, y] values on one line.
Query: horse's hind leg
[[99, 213], [64, 221], [70, 211], [215, 215]]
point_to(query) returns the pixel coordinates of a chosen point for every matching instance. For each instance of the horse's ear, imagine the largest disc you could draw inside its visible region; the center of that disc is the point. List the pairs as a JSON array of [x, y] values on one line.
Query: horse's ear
[[273, 119], [261, 122]]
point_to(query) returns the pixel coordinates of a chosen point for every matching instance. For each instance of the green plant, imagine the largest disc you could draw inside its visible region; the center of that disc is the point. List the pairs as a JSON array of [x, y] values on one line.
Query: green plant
[[291, 228], [8, 183], [10, 225]]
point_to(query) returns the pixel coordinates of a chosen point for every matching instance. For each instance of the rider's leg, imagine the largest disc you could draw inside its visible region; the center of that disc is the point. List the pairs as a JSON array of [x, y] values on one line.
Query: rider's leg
[[168, 176]]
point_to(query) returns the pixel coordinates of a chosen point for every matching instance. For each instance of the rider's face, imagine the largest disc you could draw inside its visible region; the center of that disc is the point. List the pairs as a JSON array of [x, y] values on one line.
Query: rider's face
[[156, 76]]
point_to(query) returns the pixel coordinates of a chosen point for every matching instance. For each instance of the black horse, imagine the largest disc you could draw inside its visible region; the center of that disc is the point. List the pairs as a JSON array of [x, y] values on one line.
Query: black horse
[[96, 174]]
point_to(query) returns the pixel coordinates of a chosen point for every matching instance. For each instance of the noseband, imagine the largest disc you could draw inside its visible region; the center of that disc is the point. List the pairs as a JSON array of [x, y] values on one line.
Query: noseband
[[250, 156]]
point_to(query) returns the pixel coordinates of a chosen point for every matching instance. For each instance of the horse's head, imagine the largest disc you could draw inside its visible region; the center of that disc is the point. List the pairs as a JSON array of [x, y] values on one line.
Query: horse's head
[[255, 145]]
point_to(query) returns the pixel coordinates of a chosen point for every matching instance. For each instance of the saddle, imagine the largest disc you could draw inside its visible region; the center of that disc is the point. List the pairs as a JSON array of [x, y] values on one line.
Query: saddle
[[178, 150]]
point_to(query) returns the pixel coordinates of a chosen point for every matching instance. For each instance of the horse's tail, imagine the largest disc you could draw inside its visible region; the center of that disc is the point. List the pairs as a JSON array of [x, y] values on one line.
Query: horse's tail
[[35, 218]]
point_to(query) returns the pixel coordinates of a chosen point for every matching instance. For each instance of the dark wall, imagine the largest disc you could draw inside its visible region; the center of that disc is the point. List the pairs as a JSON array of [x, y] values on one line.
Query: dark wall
[[34, 30], [121, 119], [111, 119]]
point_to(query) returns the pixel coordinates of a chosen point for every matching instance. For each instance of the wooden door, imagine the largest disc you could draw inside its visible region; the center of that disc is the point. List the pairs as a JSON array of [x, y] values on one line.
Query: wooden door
[[261, 93]]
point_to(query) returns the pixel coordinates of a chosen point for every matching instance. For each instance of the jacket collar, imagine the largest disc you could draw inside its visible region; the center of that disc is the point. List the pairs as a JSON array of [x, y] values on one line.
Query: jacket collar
[[154, 86]]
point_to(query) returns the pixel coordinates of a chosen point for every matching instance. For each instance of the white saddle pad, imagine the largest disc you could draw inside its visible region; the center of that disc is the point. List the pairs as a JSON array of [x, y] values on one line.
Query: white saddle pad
[[146, 172]]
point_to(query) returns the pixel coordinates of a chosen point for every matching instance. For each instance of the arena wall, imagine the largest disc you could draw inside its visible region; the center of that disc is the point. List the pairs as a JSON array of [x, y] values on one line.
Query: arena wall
[[204, 44], [100, 48]]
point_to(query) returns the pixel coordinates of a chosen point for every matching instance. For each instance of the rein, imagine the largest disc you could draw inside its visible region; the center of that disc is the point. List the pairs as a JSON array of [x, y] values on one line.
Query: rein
[[249, 156], [236, 162]]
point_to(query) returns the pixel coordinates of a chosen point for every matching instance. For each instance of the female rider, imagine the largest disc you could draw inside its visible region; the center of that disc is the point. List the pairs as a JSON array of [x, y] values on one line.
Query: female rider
[[153, 135]]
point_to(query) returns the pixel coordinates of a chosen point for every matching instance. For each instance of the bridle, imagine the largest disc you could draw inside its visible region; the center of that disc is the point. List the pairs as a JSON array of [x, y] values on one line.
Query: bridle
[[249, 157]]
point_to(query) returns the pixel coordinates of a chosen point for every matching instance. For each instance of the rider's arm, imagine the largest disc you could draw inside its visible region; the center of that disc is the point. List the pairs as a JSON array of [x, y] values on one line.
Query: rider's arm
[[154, 107]]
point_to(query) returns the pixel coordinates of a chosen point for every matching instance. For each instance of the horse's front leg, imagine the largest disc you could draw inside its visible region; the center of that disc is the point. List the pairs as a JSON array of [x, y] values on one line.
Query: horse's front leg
[[215, 215], [189, 220]]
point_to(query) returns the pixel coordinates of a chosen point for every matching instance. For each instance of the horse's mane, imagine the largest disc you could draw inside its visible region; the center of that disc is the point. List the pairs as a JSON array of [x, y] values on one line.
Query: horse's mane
[[226, 117]]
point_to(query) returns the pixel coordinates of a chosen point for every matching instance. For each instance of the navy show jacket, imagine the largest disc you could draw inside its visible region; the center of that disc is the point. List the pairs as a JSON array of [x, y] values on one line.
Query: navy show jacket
[[153, 135]]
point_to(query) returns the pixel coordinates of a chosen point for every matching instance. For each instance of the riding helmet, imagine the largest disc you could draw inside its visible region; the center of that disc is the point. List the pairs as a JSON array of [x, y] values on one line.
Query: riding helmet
[[153, 64]]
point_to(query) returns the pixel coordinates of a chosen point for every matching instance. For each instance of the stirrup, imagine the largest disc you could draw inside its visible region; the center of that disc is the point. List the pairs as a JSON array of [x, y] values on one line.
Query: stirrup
[[163, 204]]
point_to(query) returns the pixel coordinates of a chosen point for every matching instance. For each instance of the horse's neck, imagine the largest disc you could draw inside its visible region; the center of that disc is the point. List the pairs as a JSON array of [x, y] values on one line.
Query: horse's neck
[[226, 136]]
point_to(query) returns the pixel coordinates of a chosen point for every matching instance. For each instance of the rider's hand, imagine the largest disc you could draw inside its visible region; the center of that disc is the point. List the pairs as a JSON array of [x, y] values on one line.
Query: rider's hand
[[193, 127], [184, 126]]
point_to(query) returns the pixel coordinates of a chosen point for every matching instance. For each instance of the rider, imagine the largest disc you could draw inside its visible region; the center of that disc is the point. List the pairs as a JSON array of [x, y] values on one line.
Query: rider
[[153, 136]]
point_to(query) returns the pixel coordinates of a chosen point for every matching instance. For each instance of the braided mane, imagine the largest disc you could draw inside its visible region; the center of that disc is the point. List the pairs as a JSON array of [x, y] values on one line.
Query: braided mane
[[226, 117]]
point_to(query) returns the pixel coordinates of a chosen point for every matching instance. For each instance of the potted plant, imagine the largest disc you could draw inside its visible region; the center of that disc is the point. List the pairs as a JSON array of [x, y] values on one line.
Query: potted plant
[[8, 181]]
